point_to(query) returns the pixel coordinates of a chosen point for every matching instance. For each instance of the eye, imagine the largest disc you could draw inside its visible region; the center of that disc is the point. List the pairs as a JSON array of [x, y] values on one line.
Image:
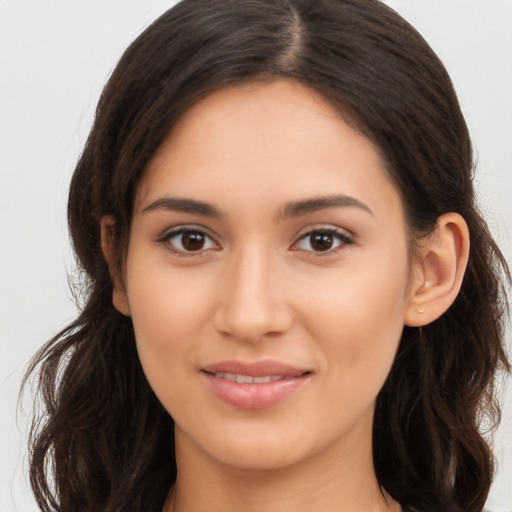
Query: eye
[[187, 241], [322, 241]]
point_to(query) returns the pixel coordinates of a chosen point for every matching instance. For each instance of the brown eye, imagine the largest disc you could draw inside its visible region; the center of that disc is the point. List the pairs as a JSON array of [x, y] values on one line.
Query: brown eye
[[185, 241], [321, 241], [192, 240]]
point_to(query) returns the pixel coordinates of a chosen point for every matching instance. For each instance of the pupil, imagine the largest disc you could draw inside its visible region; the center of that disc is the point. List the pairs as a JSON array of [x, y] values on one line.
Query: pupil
[[192, 241], [321, 241]]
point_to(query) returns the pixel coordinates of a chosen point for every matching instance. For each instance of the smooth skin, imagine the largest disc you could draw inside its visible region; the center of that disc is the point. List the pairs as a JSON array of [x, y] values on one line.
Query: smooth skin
[[291, 245]]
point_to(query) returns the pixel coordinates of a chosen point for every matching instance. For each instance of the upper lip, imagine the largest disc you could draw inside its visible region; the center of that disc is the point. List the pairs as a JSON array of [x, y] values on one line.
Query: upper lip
[[255, 369]]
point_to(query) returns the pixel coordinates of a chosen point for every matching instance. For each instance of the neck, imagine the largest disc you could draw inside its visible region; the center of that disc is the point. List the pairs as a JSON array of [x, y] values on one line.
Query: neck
[[328, 482]]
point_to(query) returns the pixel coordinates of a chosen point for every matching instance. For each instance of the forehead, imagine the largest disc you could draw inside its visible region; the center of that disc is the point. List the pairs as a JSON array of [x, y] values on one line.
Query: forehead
[[266, 140]]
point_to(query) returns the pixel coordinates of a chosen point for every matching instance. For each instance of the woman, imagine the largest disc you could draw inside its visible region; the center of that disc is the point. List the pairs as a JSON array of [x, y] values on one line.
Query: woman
[[274, 212]]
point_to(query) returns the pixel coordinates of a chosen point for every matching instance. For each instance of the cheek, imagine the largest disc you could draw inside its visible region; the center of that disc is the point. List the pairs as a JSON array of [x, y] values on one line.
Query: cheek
[[168, 311], [359, 322], [164, 301]]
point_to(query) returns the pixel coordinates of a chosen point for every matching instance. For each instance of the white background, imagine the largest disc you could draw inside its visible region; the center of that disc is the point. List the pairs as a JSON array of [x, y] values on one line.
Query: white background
[[54, 58]]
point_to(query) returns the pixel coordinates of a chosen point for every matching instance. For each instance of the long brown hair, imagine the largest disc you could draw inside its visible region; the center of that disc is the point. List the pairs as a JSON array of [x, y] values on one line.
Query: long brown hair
[[102, 440]]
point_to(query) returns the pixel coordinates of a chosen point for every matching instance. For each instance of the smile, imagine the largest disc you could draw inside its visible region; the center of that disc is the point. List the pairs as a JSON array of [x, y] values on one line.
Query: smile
[[247, 379], [253, 386]]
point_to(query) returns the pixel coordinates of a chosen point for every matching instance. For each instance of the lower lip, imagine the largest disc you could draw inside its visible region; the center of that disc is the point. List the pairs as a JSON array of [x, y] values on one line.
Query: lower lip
[[254, 395]]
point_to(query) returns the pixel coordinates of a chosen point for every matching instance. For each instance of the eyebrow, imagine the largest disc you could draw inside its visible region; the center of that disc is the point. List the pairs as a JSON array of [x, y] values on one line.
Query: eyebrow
[[298, 208], [292, 209], [184, 205]]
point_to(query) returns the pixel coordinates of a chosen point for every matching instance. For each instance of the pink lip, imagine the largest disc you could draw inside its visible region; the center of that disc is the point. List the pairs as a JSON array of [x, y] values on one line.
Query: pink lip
[[256, 369], [254, 395]]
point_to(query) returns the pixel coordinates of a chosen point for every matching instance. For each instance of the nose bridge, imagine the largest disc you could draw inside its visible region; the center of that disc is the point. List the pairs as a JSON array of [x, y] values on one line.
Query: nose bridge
[[251, 304]]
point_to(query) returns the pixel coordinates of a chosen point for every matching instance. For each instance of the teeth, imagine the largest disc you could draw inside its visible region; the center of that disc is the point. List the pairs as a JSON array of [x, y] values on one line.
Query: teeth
[[262, 380], [247, 379]]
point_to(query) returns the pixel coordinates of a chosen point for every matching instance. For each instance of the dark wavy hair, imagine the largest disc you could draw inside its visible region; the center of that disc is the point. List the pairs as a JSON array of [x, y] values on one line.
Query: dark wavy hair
[[101, 440]]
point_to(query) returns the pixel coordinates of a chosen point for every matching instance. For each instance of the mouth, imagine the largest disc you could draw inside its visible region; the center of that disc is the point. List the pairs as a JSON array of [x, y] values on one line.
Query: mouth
[[247, 379], [254, 386]]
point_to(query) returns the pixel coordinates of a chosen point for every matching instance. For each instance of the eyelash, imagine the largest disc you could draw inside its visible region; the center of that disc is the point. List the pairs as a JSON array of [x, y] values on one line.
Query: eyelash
[[166, 238], [342, 239]]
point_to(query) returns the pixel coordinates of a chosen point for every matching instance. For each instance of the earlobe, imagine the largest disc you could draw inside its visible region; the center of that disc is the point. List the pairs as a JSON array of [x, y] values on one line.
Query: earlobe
[[119, 297], [439, 270]]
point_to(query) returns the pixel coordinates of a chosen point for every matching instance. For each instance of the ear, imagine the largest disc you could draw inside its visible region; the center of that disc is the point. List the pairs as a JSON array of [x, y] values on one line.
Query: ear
[[119, 297], [438, 271]]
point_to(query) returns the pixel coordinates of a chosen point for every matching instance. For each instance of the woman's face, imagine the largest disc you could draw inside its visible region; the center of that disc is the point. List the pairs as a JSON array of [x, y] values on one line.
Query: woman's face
[[267, 276]]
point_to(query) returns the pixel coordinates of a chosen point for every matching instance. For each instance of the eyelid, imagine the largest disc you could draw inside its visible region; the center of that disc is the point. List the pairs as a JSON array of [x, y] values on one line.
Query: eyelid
[[346, 238], [169, 233], [179, 228]]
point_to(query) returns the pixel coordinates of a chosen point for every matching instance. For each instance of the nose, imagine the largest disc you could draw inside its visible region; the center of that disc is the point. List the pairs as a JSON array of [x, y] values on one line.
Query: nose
[[252, 301]]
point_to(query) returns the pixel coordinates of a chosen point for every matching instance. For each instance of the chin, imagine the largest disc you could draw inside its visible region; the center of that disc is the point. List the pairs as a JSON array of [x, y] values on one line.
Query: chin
[[259, 457], [248, 447]]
